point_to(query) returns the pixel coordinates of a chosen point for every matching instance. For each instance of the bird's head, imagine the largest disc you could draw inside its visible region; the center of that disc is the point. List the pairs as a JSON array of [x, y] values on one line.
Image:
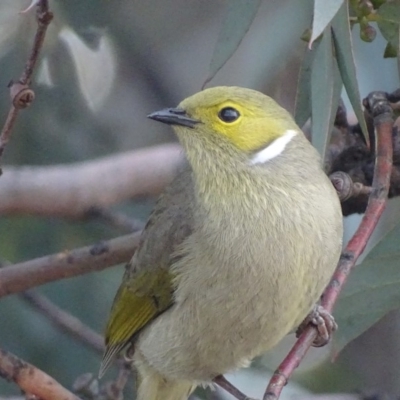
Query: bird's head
[[231, 117]]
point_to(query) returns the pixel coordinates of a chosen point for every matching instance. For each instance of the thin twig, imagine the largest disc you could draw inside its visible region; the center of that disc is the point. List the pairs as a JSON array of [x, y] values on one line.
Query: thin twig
[[222, 382], [383, 122], [116, 219], [26, 275], [13, 398], [64, 321], [87, 386], [32, 380], [21, 95], [114, 390], [43, 16]]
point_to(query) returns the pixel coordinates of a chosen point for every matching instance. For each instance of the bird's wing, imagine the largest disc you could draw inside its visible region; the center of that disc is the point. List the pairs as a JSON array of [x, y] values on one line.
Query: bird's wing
[[147, 287], [137, 303]]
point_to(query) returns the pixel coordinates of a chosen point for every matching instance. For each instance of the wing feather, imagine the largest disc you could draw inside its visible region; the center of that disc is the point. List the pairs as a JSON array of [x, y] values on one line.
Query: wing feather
[[147, 289]]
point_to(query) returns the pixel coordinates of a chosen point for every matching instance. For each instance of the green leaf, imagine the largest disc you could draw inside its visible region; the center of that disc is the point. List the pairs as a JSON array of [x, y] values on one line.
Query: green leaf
[[239, 16], [347, 67], [337, 91], [325, 93], [324, 12], [373, 288], [302, 105], [377, 3], [390, 51], [389, 22]]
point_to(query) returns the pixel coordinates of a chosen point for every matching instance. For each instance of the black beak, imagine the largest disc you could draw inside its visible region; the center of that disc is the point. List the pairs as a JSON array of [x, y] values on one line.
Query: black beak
[[173, 116]]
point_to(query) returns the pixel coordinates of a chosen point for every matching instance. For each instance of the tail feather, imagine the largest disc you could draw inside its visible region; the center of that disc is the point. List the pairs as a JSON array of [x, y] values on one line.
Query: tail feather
[[152, 386], [108, 357]]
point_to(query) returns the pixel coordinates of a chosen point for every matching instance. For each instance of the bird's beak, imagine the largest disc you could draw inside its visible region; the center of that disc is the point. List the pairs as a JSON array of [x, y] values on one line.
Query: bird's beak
[[174, 116]]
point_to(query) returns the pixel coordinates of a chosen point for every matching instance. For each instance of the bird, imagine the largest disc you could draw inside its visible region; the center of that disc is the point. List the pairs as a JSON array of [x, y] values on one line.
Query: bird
[[236, 252]]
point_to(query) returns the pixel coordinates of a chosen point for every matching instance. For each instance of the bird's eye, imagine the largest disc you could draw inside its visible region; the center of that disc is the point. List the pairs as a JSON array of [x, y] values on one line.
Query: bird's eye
[[228, 114]]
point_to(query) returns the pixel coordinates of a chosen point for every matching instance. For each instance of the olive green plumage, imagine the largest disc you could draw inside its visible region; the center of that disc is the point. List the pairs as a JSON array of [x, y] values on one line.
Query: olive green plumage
[[237, 250]]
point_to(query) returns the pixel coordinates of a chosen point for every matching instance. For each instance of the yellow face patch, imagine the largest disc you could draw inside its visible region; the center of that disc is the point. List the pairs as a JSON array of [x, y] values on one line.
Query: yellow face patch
[[249, 123]]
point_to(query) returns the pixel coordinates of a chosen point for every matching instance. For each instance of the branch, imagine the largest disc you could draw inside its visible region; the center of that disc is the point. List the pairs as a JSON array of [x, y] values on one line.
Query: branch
[[346, 188], [20, 93], [32, 380], [334, 396], [347, 153], [64, 321], [116, 219], [23, 276], [13, 398], [72, 190], [114, 389], [380, 109], [222, 382]]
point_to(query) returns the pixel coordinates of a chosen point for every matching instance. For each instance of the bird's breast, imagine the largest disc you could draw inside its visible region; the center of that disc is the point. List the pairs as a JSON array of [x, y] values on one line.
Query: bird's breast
[[253, 267]]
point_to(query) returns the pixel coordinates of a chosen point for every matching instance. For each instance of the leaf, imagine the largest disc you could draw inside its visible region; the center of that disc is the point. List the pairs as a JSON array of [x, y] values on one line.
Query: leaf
[[325, 93], [373, 288], [337, 91], [10, 25], [95, 83], [302, 105], [345, 59], [389, 22], [324, 12], [239, 16], [390, 51]]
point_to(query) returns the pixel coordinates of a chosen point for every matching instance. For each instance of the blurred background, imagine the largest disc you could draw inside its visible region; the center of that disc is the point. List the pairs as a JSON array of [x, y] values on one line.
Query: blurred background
[[104, 67]]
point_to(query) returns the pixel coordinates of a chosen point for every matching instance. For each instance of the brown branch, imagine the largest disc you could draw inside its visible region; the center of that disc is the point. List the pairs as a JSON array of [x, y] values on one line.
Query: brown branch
[[44, 16], [87, 386], [69, 191], [121, 380], [222, 382], [333, 396], [20, 93], [13, 398], [346, 188], [26, 275], [32, 380], [64, 321], [116, 219], [383, 121], [348, 153], [114, 389]]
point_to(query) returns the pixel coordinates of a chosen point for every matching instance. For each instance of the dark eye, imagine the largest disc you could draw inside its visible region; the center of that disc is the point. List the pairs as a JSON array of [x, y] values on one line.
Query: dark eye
[[228, 114]]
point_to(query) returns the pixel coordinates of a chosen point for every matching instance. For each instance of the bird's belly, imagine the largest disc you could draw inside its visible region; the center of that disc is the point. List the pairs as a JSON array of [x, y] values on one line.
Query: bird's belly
[[202, 336]]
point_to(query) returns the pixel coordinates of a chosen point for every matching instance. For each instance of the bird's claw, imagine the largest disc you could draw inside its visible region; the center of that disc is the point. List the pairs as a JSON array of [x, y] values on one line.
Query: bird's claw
[[323, 321]]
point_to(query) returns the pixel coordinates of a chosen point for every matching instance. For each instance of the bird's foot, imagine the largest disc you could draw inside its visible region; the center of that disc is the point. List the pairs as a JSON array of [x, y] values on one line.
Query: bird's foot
[[323, 321]]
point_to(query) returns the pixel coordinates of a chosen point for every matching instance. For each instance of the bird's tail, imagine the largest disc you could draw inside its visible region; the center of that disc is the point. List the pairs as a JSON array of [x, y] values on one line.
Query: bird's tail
[[152, 386]]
